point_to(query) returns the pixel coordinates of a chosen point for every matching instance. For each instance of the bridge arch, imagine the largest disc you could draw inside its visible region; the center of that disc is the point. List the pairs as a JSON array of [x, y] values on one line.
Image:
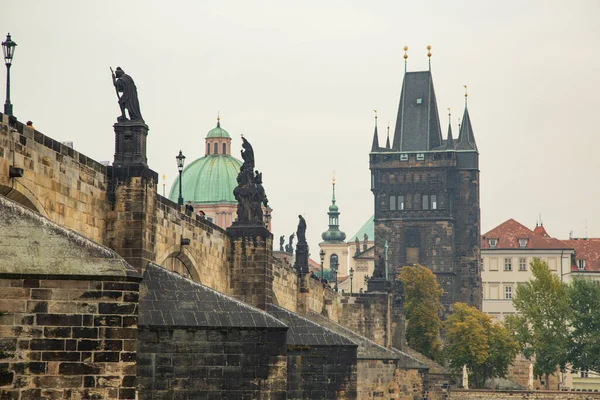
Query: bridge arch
[[181, 261], [24, 199]]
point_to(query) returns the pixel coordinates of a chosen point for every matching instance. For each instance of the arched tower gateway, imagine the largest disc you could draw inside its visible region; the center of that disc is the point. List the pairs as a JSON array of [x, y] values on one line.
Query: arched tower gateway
[[208, 182], [333, 244], [426, 195]]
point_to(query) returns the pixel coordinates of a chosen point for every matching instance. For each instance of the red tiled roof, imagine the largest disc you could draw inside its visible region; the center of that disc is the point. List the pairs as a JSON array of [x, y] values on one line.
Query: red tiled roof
[[509, 232], [540, 230], [588, 250]]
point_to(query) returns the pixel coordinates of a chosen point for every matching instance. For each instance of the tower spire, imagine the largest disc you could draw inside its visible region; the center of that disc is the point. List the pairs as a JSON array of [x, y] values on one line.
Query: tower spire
[[218, 119], [333, 234], [466, 138], [375, 146], [387, 142], [405, 58], [449, 140]]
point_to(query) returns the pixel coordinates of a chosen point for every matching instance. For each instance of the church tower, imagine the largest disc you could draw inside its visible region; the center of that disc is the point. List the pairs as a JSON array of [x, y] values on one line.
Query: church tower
[[333, 244], [426, 194]]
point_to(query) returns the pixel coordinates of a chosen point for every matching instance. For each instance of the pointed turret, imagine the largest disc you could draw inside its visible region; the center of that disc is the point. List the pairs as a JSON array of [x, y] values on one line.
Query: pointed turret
[[449, 140], [466, 139], [333, 234], [375, 146], [387, 142]]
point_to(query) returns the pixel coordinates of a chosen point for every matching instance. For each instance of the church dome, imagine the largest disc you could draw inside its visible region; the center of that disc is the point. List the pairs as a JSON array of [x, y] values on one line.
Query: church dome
[[212, 178], [209, 179], [218, 132]]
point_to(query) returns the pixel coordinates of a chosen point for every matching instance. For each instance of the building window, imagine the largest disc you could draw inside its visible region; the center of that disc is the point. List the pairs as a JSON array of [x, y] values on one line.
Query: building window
[[581, 265], [584, 374], [507, 264], [333, 262], [425, 199], [522, 264], [507, 292], [216, 148], [224, 148], [420, 156], [403, 157], [522, 243], [207, 148], [493, 243], [400, 202], [392, 203], [434, 202]]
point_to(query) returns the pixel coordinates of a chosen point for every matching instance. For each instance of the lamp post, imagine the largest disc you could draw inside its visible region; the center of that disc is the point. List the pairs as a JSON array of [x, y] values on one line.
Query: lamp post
[[334, 268], [322, 255], [351, 276], [180, 160], [8, 47]]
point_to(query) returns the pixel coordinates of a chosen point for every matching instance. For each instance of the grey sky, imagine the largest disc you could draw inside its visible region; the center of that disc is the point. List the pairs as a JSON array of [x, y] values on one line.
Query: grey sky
[[300, 81]]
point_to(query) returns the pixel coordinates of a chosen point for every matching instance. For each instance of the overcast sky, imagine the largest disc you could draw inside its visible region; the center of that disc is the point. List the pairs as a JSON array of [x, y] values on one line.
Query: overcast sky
[[300, 81]]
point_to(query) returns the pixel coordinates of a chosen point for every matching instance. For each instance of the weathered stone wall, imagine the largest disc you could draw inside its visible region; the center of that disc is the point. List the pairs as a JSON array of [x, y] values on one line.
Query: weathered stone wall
[[215, 363], [285, 284], [382, 379], [460, 394], [205, 259], [323, 300], [64, 338], [368, 315], [59, 182], [321, 372], [251, 265]]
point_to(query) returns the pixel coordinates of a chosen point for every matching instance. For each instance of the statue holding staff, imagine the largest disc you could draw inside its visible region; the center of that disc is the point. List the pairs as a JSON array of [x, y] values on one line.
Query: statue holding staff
[[127, 95]]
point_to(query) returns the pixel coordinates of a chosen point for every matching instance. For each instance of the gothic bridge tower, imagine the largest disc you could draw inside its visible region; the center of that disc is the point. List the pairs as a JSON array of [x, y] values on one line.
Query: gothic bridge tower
[[426, 194]]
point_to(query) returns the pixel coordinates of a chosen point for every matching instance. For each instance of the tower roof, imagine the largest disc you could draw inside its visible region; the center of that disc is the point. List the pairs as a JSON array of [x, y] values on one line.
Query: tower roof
[[375, 146], [417, 124], [466, 139], [333, 234], [218, 132]]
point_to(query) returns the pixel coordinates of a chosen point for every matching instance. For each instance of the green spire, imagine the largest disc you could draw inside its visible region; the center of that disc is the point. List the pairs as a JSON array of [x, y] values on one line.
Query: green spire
[[333, 234]]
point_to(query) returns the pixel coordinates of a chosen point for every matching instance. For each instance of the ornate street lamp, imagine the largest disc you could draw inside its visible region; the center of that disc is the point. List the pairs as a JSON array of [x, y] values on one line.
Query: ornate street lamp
[[180, 161], [8, 47], [351, 276], [322, 255]]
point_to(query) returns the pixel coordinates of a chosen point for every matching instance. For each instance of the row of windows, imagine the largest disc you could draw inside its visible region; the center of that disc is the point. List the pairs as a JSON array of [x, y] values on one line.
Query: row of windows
[[427, 202], [507, 293], [216, 148], [522, 264], [494, 243]]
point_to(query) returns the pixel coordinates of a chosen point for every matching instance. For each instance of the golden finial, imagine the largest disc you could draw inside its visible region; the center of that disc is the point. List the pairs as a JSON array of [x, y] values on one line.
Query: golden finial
[[333, 181], [429, 51], [466, 93], [375, 111], [218, 115], [449, 114], [164, 177], [405, 54]]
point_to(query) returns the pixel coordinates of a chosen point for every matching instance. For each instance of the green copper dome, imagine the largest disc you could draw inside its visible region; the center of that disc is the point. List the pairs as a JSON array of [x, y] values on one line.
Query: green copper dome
[[218, 132], [209, 179]]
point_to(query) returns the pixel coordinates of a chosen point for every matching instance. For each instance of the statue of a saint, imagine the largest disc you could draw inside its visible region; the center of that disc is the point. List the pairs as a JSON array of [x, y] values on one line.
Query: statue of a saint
[[247, 156], [128, 100], [281, 242], [301, 231], [291, 243]]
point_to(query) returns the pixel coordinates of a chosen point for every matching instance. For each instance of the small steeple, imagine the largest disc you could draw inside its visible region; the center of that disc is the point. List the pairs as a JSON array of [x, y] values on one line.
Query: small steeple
[[375, 146], [218, 119], [449, 140], [387, 142], [333, 234], [466, 139]]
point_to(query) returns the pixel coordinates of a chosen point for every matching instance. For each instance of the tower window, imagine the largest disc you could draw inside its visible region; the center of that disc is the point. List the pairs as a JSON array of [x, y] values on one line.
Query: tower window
[[403, 157], [207, 148], [420, 156], [425, 199], [216, 148], [392, 202], [224, 148], [433, 202], [400, 202]]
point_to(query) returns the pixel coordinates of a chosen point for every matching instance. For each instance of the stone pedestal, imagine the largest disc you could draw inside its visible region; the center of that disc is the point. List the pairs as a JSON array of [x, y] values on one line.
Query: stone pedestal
[[250, 264], [301, 258], [130, 144], [378, 285]]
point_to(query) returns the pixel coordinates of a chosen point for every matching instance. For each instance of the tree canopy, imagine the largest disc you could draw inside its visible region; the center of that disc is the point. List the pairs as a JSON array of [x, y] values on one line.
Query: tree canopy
[[422, 309]]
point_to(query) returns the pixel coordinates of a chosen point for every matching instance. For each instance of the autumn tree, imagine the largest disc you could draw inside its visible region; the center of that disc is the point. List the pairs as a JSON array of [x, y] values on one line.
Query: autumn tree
[[422, 309], [472, 339], [584, 321], [543, 305]]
